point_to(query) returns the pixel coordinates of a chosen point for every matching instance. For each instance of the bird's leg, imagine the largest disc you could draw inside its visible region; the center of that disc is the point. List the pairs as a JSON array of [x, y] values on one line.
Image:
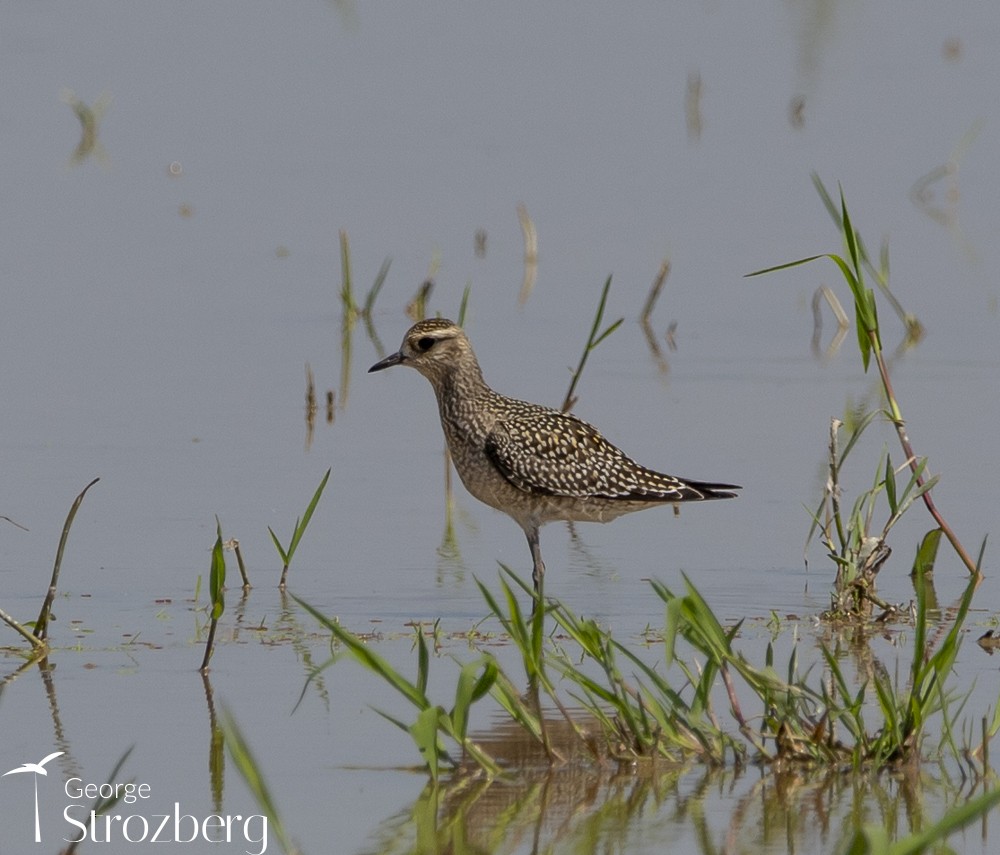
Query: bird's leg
[[538, 571]]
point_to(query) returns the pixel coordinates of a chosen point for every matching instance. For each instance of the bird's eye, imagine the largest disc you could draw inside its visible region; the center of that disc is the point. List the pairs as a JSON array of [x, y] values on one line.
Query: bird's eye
[[424, 344]]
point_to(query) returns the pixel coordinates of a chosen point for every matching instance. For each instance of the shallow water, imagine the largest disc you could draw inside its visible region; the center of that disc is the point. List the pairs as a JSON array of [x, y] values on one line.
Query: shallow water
[[163, 297]]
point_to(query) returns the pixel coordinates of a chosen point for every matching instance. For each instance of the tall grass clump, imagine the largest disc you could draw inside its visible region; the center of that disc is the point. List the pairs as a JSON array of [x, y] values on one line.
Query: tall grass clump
[[852, 268], [704, 701], [776, 716], [857, 540]]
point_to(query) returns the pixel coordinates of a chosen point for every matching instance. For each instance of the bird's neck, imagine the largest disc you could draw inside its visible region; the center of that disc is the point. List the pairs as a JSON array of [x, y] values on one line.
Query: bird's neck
[[463, 381], [459, 395]]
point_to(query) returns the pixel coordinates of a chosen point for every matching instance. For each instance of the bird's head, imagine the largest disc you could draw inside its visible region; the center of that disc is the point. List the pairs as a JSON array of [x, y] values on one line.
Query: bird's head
[[435, 347]]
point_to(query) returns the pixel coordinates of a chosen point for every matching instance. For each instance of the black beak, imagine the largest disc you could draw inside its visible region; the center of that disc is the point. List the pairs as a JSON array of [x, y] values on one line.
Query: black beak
[[388, 362]]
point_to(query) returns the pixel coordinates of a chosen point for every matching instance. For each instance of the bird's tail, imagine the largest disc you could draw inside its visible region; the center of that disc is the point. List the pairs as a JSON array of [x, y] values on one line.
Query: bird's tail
[[711, 491]]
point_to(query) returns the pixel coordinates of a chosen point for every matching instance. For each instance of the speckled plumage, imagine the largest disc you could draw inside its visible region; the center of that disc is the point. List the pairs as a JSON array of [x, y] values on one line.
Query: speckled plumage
[[533, 463]]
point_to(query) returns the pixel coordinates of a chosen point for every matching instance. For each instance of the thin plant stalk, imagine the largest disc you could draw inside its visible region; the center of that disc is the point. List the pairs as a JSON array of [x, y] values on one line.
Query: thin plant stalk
[[904, 441], [464, 305], [42, 624], [234, 545], [37, 643], [594, 339]]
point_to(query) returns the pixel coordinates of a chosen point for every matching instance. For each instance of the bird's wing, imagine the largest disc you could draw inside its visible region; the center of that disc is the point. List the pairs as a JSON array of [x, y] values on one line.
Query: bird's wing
[[561, 455]]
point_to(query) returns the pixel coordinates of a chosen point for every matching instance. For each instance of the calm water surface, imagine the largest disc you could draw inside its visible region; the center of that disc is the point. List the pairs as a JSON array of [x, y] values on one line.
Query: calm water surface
[[164, 296]]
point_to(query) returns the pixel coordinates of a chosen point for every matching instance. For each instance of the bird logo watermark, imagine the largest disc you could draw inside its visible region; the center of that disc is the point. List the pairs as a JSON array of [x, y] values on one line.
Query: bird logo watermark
[[38, 769]]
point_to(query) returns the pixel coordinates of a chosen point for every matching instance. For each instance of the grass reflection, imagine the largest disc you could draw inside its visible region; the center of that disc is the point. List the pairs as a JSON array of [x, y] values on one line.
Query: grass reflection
[[667, 807]]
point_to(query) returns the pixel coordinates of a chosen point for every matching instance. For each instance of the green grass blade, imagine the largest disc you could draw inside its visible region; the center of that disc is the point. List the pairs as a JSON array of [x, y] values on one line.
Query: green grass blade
[[827, 199], [610, 329], [859, 428], [277, 545], [300, 526], [423, 660], [246, 764], [346, 289], [594, 339], [890, 485], [849, 234], [402, 725], [217, 575], [369, 658], [955, 819], [512, 701], [982, 552], [425, 734], [474, 681], [464, 305], [784, 266]]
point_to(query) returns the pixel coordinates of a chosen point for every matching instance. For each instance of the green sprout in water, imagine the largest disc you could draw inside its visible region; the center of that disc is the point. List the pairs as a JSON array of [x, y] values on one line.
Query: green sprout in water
[[216, 592], [300, 529]]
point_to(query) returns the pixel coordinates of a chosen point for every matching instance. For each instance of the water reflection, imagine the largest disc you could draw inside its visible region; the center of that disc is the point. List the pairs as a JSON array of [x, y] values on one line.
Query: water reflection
[[647, 328], [530, 255], [90, 120], [692, 107], [585, 807]]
